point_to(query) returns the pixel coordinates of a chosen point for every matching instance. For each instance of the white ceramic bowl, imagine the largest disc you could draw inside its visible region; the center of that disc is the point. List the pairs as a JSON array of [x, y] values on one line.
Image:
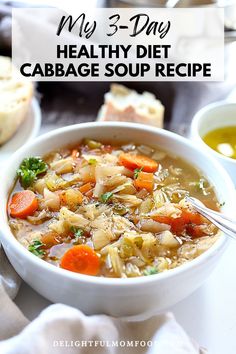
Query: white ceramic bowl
[[213, 116], [117, 297]]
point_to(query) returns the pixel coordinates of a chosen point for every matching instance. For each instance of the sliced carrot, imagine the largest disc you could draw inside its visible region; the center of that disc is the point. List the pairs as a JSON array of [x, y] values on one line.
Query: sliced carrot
[[162, 219], [144, 180], [89, 178], [23, 204], [195, 231], [138, 161], [191, 217], [81, 259], [86, 187], [179, 224], [89, 194]]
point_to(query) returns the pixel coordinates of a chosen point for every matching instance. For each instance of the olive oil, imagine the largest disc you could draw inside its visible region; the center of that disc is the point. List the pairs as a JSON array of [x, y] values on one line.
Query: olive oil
[[222, 140]]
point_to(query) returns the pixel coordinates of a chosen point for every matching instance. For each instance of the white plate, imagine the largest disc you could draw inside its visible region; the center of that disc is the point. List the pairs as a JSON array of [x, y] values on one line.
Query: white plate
[[28, 130]]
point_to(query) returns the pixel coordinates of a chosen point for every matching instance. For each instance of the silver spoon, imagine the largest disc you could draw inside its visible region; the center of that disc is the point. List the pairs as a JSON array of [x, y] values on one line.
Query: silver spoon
[[224, 223]]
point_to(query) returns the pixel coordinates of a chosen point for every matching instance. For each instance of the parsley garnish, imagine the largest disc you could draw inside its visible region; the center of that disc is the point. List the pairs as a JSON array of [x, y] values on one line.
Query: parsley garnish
[[36, 248], [150, 271], [137, 171], [106, 197], [29, 169], [92, 161], [77, 233]]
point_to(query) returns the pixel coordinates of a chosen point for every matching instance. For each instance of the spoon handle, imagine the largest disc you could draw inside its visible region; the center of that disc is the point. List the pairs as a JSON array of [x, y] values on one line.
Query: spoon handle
[[224, 223]]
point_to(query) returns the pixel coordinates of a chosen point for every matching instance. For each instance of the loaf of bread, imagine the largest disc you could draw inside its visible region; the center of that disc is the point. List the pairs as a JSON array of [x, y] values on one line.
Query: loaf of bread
[[15, 99], [123, 104]]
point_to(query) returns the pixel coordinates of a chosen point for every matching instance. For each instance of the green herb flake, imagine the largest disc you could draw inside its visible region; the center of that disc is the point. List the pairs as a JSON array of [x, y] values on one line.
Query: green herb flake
[[222, 204], [137, 171], [150, 271], [29, 169], [77, 232], [36, 248], [92, 161], [106, 197]]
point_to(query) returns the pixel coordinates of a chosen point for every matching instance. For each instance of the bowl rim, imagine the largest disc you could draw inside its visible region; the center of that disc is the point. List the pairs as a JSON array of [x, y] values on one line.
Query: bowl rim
[[21, 251], [196, 123]]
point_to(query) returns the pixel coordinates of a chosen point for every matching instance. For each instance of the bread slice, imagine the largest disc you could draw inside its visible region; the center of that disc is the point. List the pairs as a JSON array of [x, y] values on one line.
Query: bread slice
[[15, 99], [123, 104]]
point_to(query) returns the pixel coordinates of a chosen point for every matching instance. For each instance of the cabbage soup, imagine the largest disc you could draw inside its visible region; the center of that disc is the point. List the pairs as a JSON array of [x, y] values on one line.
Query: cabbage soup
[[111, 211]]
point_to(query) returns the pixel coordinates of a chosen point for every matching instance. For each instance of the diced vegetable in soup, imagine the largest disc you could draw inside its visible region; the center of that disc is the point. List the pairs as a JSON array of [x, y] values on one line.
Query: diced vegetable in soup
[[111, 211]]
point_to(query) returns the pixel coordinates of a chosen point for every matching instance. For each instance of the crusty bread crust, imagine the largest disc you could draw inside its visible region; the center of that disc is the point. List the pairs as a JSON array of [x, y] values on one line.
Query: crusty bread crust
[[125, 105], [15, 99]]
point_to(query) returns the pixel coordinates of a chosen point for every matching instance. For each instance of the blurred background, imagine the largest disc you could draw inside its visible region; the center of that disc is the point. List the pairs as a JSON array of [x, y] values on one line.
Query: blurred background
[[68, 103]]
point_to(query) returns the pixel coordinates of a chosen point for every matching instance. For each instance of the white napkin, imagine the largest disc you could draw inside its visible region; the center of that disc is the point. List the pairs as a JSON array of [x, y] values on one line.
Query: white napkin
[[62, 329]]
